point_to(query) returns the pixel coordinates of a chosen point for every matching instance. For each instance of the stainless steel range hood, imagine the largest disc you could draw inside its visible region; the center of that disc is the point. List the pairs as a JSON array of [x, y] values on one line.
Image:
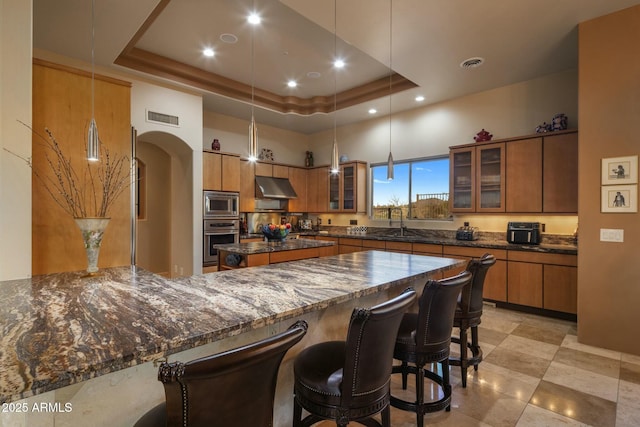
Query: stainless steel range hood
[[268, 187]]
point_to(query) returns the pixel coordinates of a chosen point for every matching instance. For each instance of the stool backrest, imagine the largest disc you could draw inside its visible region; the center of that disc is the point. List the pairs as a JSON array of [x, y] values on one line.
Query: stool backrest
[[471, 298], [436, 309], [232, 388], [369, 349]]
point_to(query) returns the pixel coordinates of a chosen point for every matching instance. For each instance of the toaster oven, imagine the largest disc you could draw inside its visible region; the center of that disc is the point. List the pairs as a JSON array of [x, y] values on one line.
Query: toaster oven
[[524, 233]]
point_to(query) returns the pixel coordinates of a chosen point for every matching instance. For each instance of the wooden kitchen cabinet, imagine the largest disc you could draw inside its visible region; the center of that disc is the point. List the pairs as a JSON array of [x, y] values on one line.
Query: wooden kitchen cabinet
[[264, 169], [560, 288], [477, 178], [318, 189], [560, 173], [348, 188], [220, 171], [247, 186], [298, 179], [495, 283], [280, 171], [525, 284], [524, 175]]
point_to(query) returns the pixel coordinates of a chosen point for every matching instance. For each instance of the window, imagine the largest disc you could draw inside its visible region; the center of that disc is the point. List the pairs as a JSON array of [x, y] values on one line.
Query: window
[[420, 190]]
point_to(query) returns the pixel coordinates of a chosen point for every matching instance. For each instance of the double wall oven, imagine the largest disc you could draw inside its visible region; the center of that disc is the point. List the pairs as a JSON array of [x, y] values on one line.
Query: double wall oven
[[221, 223]]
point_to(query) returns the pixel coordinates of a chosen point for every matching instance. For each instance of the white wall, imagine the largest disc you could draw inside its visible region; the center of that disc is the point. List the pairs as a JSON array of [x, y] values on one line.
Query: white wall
[[15, 104], [186, 165], [287, 146]]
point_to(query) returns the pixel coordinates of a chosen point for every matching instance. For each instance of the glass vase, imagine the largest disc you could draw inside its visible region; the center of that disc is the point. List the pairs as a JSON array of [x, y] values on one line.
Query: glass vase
[[92, 231]]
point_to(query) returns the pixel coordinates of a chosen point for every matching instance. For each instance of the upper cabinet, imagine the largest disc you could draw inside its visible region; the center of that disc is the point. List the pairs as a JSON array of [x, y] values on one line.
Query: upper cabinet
[[220, 171], [247, 185], [477, 178], [348, 188], [536, 174], [298, 179]]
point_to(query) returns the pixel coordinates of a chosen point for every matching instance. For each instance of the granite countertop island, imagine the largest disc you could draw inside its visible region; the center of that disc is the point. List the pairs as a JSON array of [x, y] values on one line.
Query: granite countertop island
[[62, 329], [251, 248]]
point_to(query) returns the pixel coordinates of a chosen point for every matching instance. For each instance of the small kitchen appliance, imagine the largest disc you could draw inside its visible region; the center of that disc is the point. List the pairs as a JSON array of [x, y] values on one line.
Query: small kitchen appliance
[[467, 233], [527, 233]]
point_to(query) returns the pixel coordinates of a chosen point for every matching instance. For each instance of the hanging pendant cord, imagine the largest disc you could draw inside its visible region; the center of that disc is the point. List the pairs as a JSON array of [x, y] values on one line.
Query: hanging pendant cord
[[335, 69], [390, 64], [93, 31]]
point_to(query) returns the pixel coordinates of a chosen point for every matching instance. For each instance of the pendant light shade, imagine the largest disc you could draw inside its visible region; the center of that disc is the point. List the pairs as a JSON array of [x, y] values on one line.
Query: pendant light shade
[[253, 140], [93, 142], [390, 167], [335, 162]]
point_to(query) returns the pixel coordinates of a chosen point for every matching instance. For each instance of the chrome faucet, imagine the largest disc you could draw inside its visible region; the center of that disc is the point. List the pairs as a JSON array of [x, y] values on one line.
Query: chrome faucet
[[402, 227]]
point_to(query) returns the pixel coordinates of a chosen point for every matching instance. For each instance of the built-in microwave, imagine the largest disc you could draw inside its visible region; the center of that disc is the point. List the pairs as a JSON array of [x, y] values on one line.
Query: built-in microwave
[[219, 204]]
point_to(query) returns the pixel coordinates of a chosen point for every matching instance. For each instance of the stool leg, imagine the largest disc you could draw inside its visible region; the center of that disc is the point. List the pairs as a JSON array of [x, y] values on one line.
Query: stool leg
[[475, 344], [404, 370], [386, 416], [297, 414], [446, 383], [419, 395], [463, 356]]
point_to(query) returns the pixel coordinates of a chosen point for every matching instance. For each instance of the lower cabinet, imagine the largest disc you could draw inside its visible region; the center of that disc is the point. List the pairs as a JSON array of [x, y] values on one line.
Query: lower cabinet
[[495, 284], [525, 284]]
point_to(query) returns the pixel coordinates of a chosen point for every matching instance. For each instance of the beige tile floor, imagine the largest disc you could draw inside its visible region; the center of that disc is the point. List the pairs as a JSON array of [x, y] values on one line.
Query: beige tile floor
[[535, 373]]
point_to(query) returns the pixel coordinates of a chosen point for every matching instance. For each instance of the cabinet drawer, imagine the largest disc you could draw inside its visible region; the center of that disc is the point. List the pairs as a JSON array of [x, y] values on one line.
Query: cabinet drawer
[[349, 241], [328, 238], [373, 244], [474, 252], [427, 248], [543, 258], [294, 255], [398, 247], [346, 249]]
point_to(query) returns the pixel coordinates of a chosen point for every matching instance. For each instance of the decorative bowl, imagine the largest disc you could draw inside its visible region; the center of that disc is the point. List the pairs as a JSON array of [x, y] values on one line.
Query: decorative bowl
[[276, 233]]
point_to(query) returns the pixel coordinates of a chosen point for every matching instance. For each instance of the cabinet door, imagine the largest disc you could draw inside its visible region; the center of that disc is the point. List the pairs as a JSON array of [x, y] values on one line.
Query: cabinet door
[[335, 186], [264, 169], [247, 186], [524, 175], [318, 190], [298, 178], [349, 188], [211, 171], [230, 176], [560, 173], [561, 288], [280, 171], [525, 283], [490, 178], [462, 180]]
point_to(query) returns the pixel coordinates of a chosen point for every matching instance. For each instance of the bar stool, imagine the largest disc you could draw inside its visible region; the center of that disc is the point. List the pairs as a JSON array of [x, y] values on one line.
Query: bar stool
[[468, 313], [232, 388], [425, 337], [349, 380]]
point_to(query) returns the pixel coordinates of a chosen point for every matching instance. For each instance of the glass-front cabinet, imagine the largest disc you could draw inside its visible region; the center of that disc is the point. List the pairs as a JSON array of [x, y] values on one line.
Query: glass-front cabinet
[[477, 178], [347, 189]]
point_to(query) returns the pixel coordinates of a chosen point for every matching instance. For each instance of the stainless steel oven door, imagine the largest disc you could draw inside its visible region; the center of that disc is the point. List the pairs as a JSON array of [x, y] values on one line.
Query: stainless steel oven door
[[218, 232]]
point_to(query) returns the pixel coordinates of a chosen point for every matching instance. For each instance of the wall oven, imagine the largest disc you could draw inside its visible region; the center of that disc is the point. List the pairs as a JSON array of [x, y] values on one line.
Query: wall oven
[[216, 232], [218, 204]]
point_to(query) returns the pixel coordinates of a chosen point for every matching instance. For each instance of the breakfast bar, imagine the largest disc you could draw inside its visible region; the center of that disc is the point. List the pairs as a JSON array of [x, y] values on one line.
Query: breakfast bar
[[86, 346]]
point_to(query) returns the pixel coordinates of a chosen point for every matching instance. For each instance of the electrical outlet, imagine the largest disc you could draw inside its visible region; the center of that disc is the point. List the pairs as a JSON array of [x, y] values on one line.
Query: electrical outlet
[[611, 235], [353, 222], [329, 221]]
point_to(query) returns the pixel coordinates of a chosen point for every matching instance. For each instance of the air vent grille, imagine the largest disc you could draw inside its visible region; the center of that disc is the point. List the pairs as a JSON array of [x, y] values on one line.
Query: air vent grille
[[472, 63], [165, 119]]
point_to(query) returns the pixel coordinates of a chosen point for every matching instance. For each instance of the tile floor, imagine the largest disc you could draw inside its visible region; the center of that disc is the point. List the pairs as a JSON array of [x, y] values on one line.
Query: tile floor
[[535, 373]]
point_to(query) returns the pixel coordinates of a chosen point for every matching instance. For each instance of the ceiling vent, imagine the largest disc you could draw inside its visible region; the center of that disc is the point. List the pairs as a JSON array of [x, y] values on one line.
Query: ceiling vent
[[472, 63], [163, 119]]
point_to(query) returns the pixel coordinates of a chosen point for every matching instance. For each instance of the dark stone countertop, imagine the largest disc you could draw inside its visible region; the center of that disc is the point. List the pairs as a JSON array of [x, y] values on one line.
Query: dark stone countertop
[[252, 248], [61, 329]]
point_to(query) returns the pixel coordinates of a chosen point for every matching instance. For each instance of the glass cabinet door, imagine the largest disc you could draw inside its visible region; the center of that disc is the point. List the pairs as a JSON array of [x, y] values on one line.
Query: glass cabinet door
[[462, 169], [334, 191], [490, 178], [348, 188]]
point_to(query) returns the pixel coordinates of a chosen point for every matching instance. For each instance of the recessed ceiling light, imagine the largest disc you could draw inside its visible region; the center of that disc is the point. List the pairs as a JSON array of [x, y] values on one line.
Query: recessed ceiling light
[[372, 111], [419, 98], [313, 75], [254, 19], [292, 83], [472, 62], [208, 52], [229, 38], [338, 63]]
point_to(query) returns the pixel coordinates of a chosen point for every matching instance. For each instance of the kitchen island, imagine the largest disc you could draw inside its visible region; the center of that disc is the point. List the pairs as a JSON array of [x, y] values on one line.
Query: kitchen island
[[87, 346], [251, 254]]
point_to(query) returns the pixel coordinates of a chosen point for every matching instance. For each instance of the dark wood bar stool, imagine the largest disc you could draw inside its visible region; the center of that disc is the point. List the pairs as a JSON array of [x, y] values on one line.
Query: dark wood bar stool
[[349, 380], [468, 313], [232, 388], [425, 337]]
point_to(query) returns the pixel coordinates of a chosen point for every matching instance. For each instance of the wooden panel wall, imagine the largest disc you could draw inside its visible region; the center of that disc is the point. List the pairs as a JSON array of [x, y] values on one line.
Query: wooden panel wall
[[62, 103]]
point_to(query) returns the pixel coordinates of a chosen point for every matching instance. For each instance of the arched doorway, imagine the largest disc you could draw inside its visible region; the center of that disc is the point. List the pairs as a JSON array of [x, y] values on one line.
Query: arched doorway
[[164, 217]]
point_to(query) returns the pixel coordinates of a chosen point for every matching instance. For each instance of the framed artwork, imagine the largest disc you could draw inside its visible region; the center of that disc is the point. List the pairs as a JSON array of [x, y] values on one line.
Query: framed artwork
[[619, 199], [620, 170]]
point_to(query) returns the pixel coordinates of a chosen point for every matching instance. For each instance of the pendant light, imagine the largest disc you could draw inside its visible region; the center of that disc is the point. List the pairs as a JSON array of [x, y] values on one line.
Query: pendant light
[[390, 159], [335, 163], [253, 130], [93, 142]]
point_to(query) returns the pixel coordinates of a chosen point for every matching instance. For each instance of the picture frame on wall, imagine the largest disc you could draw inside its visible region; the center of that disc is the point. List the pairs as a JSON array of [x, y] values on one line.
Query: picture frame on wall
[[620, 170], [619, 199]]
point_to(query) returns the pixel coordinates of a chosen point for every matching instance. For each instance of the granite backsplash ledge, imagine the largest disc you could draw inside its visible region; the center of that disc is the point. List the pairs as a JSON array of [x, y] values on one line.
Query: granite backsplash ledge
[[488, 236]]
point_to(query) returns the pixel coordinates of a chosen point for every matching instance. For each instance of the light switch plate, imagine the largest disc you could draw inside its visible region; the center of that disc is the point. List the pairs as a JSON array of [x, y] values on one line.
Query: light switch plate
[[611, 235]]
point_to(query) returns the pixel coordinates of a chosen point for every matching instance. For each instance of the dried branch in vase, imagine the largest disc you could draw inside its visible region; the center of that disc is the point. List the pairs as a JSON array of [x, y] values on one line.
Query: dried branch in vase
[[88, 195]]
